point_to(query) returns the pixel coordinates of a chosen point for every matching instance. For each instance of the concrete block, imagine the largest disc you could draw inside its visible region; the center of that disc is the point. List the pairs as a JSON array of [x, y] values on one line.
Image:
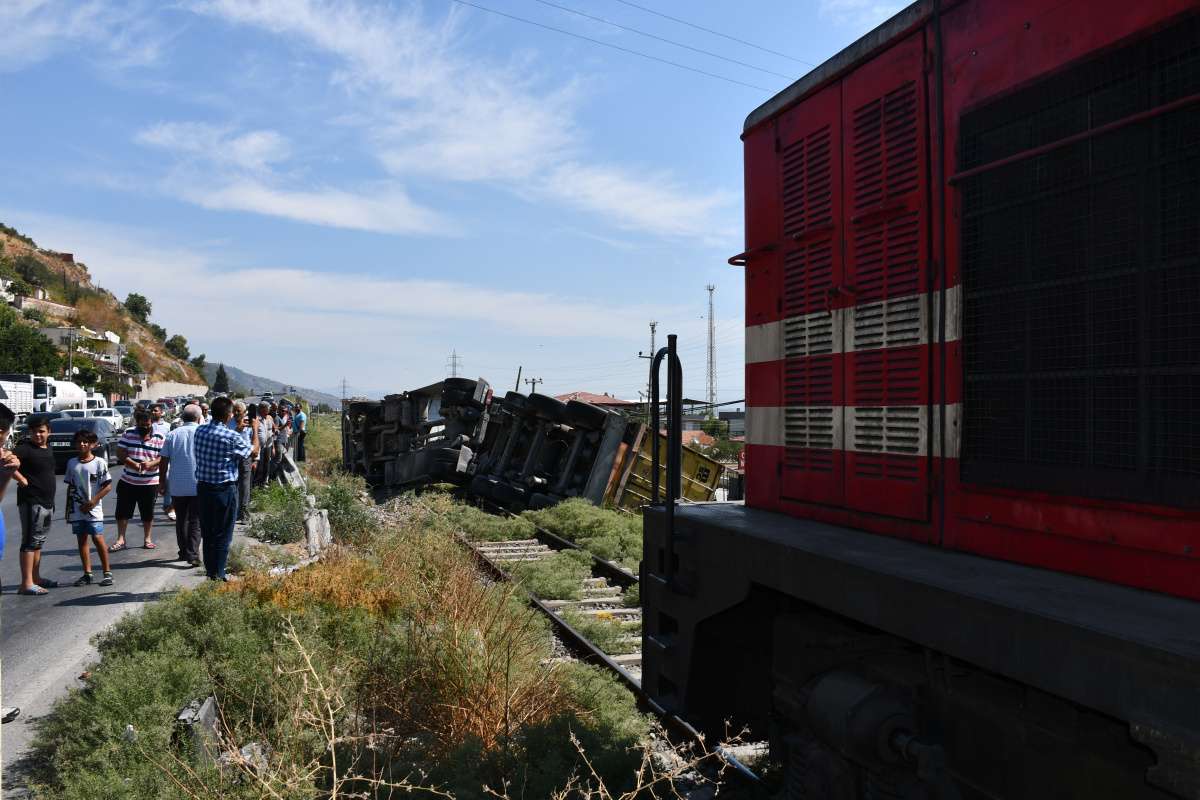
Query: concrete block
[[318, 534]]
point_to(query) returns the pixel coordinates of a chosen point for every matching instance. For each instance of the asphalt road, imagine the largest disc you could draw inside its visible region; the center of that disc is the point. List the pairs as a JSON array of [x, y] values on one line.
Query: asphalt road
[[45, 641]]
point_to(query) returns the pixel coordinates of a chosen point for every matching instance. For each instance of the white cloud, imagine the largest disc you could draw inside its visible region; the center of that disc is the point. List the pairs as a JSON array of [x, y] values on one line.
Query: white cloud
[[429, 109], [387, 210], [37, 29], [651, 202], [254, 150], [221, 169], [860, 14]]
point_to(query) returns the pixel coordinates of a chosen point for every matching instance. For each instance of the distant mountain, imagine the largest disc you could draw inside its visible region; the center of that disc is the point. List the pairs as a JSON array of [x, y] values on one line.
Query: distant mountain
[[254, 384]]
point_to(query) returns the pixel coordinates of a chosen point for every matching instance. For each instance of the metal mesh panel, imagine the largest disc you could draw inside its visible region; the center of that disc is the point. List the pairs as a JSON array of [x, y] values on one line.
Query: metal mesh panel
[[1081, 279]]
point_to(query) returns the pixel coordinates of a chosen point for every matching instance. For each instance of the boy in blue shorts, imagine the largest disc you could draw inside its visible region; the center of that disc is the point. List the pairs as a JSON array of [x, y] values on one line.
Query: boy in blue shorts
[[87, 482]]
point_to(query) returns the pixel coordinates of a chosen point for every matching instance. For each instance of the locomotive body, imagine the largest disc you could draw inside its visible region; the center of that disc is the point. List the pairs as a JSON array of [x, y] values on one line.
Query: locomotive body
[[973, 417]]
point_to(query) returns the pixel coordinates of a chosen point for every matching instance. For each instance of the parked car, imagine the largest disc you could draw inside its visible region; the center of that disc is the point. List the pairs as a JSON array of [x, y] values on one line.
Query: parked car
[[62, 435], [113, 415]]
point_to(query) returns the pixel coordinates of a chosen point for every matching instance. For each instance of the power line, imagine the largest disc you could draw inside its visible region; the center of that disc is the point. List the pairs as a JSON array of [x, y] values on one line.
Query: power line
[[611, 45], [717, 33], [663, 39]]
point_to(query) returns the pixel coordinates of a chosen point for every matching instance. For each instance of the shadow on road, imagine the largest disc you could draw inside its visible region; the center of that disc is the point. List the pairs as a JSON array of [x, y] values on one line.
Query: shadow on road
[[112, 598]]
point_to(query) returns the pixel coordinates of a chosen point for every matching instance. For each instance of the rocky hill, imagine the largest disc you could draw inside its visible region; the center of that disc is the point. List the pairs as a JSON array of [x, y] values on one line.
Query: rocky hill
[[81, 302]]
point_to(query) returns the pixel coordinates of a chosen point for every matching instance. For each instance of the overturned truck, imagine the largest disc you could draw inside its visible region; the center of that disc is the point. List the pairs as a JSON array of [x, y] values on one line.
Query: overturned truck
[[518, 451]]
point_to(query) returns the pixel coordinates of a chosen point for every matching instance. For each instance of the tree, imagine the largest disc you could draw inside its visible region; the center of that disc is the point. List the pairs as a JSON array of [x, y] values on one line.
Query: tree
[[199, 361], [30, 269], [221, 382], [20, 288], [23, 349], [159, 331], [86, 374], [138, 306], [131, 365], [111, 386], [34, 315], [178, 347]]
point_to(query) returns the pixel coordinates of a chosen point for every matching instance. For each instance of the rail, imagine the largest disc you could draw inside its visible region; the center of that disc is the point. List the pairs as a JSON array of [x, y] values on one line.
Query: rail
[[587, 651]]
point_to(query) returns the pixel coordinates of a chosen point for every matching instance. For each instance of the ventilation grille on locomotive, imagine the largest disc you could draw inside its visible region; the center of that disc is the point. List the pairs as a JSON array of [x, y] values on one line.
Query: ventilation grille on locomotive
[[1081, 279]]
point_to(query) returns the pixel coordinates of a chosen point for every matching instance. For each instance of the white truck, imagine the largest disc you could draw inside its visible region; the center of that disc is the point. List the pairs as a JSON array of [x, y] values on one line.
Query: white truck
[[16, 392], [96, 400]]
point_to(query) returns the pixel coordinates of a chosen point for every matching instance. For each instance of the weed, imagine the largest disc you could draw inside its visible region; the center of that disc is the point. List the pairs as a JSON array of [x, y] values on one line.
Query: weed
[[558, 576], [608, 534], [254, 556], [277, 514], [349, 519], [613, 636]]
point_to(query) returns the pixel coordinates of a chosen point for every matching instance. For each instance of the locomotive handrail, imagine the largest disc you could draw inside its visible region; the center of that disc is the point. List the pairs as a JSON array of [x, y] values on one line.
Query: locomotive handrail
[[674, 439]]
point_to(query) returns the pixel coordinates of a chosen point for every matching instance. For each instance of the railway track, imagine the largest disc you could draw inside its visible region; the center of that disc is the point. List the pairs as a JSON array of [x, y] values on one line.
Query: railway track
[[601, 600]]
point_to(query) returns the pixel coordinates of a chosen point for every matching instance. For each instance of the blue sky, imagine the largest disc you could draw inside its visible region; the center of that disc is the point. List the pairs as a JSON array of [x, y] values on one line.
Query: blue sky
[[317, 190]]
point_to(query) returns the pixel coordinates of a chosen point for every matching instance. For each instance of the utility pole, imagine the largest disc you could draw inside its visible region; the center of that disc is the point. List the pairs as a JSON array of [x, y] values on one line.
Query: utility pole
[[650, 372], [343, 391], [70, 345], [533, 383], [453, 363], [517, 388], [712, 355]]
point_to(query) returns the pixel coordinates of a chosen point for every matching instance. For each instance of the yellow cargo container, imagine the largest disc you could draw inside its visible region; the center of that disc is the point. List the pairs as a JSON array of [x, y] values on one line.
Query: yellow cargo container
[[629, 485]]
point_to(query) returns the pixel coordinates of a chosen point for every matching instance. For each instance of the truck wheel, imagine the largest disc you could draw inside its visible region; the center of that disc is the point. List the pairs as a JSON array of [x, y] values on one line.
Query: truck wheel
[[515, 402], [548, 408], [585, 415]]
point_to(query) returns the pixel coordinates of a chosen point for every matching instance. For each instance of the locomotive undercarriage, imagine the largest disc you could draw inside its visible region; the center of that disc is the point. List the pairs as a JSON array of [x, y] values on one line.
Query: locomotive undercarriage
[[879, 669]]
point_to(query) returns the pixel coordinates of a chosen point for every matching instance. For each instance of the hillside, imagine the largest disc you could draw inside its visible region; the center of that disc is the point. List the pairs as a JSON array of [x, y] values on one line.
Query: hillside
[[67, 282], [241, 380]]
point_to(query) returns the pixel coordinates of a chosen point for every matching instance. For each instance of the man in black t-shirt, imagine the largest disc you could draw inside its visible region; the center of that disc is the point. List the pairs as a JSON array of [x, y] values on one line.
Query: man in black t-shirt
[[35, 502]]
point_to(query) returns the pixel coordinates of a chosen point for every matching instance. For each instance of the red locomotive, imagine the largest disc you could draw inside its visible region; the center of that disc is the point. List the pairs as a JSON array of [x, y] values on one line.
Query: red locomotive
[[968, 563]]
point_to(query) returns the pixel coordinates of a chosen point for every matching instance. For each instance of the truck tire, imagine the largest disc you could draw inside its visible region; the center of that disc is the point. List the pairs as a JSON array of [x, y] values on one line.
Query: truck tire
[[548, 408], [585, 415], [515, 402]]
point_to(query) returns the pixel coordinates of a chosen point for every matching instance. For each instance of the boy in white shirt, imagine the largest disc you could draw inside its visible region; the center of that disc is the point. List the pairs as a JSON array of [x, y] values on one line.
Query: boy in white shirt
[[87, 482]]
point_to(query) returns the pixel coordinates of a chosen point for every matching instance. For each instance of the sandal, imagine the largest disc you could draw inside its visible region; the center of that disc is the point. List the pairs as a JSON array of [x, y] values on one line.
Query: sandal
[[33, 591], [115, 546], [150, 546], [48, 583], [107, 580]]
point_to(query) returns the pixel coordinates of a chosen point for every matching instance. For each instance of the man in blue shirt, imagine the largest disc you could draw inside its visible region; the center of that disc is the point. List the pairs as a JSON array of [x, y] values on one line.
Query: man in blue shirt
[[179, 482], [218, 451], [9, 464], [300, 426]]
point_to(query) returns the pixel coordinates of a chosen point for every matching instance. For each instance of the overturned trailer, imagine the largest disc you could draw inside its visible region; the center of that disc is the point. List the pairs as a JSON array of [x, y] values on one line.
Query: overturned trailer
[[519, 451]]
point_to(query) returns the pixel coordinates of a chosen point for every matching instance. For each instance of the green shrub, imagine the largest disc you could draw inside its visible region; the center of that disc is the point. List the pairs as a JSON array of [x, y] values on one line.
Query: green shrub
[[348, 517], [556, 577], [277, 514], [608, 534]]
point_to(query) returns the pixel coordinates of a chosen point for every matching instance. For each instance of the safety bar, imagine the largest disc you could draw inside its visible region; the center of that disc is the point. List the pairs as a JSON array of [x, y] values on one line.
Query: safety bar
[[674, 439]]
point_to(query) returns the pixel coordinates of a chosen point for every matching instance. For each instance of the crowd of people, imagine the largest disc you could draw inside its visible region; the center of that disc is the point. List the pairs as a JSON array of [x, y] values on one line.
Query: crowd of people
[[203, 468]]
